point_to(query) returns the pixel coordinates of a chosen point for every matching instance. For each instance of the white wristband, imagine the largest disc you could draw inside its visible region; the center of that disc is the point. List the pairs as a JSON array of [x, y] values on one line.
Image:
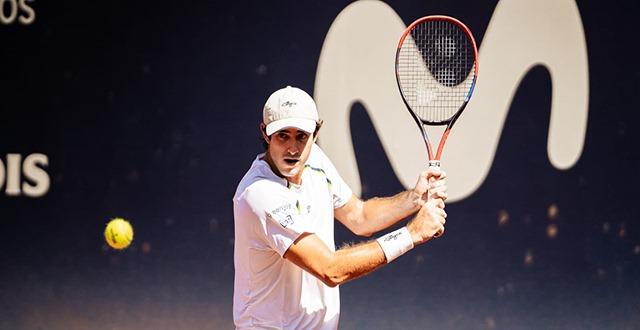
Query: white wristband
[[396, 243]]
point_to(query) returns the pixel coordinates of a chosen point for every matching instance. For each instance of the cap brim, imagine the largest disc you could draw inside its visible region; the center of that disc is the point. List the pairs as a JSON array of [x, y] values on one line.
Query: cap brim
[[307, 125]]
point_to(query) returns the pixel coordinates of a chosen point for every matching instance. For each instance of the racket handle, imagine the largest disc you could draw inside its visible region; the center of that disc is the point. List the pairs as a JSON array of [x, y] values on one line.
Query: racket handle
[[434, 164]]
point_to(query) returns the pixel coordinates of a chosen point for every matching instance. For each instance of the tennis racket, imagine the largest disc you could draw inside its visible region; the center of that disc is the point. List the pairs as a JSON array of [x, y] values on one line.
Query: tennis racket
[[436, 71]]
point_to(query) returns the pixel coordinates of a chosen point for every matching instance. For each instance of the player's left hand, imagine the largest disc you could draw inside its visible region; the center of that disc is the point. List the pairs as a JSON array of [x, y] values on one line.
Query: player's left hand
[[431, 184]]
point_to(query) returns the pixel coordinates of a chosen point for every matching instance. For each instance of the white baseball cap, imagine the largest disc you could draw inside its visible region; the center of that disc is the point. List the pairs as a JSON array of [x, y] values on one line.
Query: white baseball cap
[[290, 107]]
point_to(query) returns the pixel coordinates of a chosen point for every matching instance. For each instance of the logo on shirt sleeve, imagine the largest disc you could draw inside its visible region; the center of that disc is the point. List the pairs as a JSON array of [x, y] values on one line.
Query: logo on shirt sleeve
[[285, 215]]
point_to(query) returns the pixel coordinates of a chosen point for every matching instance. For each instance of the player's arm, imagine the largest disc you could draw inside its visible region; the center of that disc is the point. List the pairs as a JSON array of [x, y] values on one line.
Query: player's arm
[[365, 218], [333, 268]]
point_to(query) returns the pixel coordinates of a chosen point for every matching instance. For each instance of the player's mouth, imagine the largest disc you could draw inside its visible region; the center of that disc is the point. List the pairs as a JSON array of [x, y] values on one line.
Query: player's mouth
[[292, 161]]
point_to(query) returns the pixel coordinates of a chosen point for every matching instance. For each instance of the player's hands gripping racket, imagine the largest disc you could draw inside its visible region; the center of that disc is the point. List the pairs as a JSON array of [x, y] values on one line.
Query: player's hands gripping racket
[[436, 71]]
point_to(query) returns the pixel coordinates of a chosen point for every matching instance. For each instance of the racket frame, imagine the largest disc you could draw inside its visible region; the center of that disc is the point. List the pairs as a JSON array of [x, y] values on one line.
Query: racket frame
[[434, 159]]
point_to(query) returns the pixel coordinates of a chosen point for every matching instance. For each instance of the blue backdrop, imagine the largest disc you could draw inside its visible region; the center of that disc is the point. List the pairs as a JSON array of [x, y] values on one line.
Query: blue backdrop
[[149, 111]]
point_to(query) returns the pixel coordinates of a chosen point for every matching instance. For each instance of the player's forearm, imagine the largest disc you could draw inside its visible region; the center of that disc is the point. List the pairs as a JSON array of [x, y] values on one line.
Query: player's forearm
[[310, 253], [352, 262], [381, 213]]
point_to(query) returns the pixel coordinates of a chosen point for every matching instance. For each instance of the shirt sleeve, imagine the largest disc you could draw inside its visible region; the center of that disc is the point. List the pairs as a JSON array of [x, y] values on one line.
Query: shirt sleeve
[[276, 208], [339, 189]]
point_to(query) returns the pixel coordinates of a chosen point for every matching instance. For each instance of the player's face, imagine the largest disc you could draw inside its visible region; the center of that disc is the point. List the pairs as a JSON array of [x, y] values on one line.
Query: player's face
[[288, 151]]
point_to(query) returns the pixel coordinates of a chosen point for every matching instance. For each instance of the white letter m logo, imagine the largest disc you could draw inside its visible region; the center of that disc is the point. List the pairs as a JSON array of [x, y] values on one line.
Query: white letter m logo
[[357, 62]]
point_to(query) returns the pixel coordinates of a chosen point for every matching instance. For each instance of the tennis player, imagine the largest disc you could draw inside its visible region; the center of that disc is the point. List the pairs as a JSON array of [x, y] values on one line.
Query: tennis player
[[287, 269]]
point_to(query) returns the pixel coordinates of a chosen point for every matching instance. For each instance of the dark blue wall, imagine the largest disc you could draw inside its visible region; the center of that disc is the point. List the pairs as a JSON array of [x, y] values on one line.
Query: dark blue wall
[[149, 111]]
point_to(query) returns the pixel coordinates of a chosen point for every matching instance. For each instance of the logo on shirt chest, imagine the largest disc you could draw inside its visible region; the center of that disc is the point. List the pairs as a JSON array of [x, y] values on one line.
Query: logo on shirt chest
[[299, 207]]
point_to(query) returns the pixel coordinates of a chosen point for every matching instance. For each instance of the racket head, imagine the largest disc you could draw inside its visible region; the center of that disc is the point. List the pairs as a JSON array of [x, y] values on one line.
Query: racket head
[[436, 69]]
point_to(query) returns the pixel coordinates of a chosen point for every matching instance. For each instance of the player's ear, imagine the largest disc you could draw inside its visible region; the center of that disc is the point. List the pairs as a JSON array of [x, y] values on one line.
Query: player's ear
[[263, 130]]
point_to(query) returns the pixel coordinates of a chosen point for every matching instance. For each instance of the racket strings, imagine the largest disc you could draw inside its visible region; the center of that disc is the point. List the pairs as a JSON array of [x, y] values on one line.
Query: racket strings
[[436, 67]]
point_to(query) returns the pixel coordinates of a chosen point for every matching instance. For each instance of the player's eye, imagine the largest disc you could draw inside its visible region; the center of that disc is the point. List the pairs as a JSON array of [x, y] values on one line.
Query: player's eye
[[302, 136], [282, 135]]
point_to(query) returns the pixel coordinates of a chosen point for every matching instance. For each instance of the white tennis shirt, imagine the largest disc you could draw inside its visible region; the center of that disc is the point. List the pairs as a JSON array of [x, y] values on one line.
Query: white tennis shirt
[[270, 292]]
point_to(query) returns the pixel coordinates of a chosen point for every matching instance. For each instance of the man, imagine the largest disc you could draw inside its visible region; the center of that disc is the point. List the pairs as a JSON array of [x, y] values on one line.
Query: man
[[286, 267]]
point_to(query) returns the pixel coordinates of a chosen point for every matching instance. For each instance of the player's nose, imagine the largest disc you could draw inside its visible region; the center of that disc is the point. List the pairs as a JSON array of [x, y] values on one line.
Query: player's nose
[[293, 148]]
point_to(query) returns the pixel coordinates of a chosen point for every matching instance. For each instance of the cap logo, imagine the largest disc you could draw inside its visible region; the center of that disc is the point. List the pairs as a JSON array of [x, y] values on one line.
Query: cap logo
[[288, 104]]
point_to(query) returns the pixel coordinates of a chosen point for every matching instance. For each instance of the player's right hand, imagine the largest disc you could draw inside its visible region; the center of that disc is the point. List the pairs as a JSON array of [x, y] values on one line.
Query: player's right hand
[[428, 222]]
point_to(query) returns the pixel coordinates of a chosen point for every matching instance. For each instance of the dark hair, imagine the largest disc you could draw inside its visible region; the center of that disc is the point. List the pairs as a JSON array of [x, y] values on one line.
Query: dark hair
[[265, 145]]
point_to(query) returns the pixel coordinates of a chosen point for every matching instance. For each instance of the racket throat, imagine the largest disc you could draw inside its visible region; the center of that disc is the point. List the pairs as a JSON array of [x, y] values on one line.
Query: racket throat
[[433, 163]]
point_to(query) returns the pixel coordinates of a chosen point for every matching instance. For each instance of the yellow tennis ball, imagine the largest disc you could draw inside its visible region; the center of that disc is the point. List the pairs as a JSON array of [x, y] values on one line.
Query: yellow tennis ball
[[118, 233]]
